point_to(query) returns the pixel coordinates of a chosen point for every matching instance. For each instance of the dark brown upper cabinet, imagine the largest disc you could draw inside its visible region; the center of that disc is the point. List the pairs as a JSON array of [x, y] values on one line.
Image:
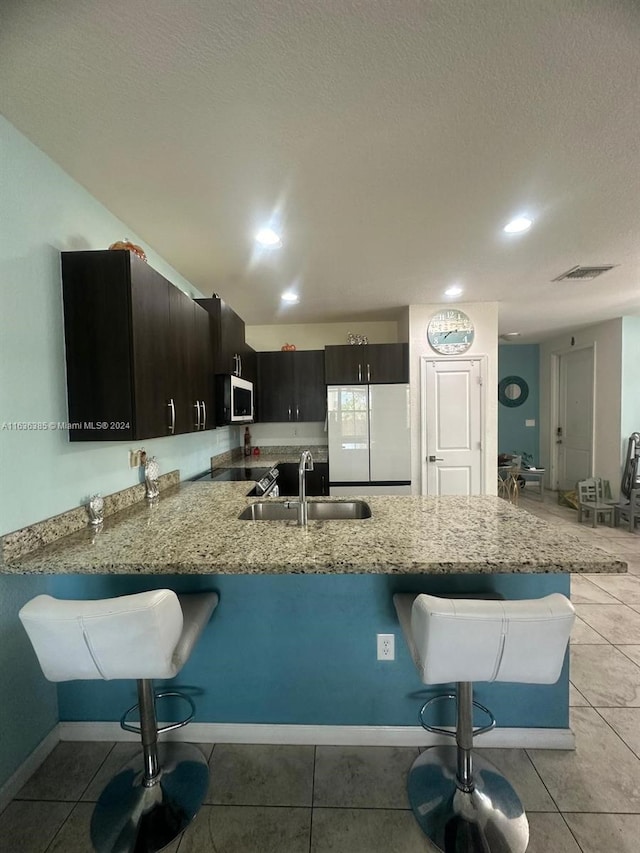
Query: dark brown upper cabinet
[[137, 350], [227, 334], [191, 364], [366, 364], [291, 386]]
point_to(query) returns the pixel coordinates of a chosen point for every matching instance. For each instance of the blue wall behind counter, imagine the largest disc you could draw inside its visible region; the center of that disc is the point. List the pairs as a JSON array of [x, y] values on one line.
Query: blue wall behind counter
[[521, 360], [301, 649]]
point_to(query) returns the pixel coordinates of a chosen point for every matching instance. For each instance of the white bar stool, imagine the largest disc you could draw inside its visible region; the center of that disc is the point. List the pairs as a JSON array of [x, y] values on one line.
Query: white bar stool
[[465, 804], [143, 636]]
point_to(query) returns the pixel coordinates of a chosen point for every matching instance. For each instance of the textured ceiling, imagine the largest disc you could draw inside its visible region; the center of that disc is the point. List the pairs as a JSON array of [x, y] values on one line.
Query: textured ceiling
[[391, 141]]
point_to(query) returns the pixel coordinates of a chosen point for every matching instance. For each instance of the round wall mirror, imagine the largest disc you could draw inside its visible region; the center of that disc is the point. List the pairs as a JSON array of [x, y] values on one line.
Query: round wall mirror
[[512, 391]]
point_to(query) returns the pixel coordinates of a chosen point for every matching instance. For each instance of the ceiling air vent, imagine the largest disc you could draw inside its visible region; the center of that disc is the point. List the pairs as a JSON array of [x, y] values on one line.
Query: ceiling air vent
[[580, 273]]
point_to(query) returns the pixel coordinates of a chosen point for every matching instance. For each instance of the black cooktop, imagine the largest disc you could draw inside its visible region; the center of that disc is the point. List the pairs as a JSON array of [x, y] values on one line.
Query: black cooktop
[[222, 475]]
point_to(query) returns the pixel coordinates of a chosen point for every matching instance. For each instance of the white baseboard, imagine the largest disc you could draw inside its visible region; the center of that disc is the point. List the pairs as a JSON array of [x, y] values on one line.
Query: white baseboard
[[502, 738], [28, 767], [325, 735]]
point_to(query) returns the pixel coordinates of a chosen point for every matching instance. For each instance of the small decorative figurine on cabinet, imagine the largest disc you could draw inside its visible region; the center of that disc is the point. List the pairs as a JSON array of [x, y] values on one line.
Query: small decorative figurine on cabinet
[[130, 247]]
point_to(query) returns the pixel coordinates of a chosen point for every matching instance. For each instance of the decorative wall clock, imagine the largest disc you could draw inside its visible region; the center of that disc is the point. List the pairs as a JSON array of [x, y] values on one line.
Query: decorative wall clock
[[450, 332]]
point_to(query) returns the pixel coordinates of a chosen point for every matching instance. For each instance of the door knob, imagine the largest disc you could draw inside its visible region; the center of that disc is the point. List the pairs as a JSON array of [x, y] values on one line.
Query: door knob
[[435, 459]]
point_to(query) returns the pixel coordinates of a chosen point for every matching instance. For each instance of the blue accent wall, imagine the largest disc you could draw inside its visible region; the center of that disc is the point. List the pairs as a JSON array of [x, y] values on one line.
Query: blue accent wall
[[301, 649], [513, 436]]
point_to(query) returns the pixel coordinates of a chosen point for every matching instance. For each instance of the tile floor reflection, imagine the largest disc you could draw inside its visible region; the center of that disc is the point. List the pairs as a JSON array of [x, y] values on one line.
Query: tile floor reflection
[[304, 799]]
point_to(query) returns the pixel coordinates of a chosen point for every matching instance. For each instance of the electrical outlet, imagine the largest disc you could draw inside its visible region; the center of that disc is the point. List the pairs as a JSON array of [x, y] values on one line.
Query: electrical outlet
[[386, 646]]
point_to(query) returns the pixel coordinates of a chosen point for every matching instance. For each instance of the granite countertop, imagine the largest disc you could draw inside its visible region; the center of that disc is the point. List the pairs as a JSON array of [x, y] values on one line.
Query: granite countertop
[[194, 529], [271, 456]]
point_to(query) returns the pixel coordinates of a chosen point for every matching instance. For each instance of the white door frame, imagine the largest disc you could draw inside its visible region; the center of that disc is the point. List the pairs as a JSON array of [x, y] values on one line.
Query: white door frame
[[483, 362], [554, 409]]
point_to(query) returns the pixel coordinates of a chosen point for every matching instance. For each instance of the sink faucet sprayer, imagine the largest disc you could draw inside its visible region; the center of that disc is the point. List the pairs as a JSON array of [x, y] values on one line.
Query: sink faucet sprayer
[[306, 464]]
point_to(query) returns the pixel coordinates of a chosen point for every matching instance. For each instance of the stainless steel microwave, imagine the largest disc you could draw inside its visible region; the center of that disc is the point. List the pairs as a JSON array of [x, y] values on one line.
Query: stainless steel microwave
[[234, 400]]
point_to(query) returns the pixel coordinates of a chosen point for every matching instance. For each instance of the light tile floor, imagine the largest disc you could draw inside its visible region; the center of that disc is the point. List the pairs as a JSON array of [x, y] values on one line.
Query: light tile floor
[[302, 799]]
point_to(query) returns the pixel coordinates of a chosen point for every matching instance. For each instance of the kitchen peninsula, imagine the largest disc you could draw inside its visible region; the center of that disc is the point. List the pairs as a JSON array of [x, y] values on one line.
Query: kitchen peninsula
[[194, 529], [290, 653]]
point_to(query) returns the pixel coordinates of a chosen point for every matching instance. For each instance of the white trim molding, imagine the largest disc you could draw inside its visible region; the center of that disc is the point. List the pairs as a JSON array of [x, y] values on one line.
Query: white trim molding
[[504, 738], [28, 767]]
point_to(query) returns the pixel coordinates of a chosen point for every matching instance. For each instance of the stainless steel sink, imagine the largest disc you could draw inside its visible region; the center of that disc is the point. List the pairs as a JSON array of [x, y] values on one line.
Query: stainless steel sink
[[317, 511]]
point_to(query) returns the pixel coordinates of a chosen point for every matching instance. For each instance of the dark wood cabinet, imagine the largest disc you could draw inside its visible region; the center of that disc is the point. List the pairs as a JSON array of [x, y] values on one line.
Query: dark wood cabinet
[[291, 386], [192, 365], [317, 481], [367, 364], [227, 336], [249, 362], [136, 350]]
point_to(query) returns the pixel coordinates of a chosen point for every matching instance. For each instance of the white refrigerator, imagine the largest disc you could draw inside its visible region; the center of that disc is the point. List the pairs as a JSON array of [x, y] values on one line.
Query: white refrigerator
[[369, 428]]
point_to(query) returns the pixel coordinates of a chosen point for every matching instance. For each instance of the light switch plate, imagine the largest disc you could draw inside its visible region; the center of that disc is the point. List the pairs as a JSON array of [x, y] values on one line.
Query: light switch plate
[[530, 422]]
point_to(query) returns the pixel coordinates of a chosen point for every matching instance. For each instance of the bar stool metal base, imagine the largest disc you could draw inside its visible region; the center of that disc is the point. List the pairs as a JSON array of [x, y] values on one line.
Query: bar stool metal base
[[489, 819], [132, 818]]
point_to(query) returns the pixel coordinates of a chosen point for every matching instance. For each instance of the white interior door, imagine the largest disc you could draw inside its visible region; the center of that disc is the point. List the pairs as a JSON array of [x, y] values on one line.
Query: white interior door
[[452, 426], [574, 430]]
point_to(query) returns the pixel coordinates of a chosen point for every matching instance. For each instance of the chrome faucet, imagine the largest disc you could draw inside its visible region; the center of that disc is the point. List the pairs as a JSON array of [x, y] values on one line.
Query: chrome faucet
[[306, 464]]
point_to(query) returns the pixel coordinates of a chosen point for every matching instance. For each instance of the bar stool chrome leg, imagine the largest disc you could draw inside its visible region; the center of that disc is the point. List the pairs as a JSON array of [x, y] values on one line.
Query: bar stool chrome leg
[[462, 802], [155, 796]]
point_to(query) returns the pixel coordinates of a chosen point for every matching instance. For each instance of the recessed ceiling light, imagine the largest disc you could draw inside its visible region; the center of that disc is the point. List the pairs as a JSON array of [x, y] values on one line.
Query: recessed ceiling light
[[290, 297], [454, 290], [518, 225], [268, 238]]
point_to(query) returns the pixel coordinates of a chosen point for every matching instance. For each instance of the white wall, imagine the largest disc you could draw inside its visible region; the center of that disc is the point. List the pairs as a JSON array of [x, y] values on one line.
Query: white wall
[[630, 418], [43, 212], [606, 338], [318, 335], [485, 342]]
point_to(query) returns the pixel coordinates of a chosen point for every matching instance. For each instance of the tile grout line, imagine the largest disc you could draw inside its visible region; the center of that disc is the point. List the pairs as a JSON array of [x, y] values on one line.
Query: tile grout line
[[63, 824], [544, 784], [571, 832], [79, 800], [619, 736], [313, 793]]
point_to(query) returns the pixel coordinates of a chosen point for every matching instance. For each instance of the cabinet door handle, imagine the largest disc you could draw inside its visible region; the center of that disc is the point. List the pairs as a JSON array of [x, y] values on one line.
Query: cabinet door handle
[[196, 406], [368, 373], [289, 412], [240, 363], [297, 413], [235, 363], [204, 415], [359, 373], [172, 408]]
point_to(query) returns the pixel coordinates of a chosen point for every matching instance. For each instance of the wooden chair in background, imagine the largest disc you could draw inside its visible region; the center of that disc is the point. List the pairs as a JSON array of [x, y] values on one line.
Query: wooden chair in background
[[592, 501]]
